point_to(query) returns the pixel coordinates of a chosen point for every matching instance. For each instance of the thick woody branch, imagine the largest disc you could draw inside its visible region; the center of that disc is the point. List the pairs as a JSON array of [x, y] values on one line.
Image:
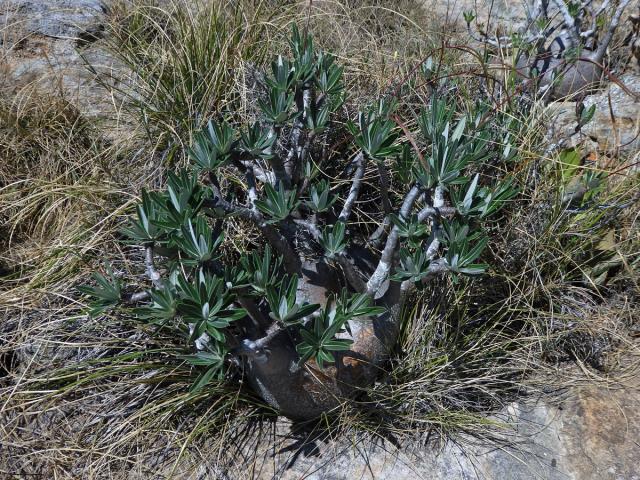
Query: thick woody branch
[[152, 273], [534, 34], [294, 157], [613, 26], [433, 247], [277, 165], [428, 212], [229, 209], [589, 34], [136, 297], [539, 10], [408, 287], [290, 162], [254, 312], [601, 10], [437, 266], [254, 349], [259, 172], [272, 331], [279, 172], [303, 185], [351, 273], [302, 156], [252, 192], [378, 236], [438, 202], [572, 33], [354, 191], [310, 227], [384, 267], [384, 187], [572, 28], [291, 259], [386, 259]]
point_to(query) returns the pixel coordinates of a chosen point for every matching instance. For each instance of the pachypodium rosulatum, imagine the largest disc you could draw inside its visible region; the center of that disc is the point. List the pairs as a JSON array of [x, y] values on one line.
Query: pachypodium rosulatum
[[560, 51], [308, 317]]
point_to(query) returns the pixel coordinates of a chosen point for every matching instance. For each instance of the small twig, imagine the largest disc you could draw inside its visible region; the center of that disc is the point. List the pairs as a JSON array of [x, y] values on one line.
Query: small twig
[[412, 141], [498, 42]]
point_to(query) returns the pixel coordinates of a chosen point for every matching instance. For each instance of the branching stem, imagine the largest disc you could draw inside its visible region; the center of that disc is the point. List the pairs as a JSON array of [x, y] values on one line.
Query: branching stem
[[386, 259], [354, 191], [351, 273], [291, 260], [613, 26]]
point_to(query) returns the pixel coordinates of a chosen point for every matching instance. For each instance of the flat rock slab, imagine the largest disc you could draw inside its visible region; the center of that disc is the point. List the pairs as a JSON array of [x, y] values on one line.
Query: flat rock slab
[[615, 126], [44, 42], [593, 434], [62, 19], [616, 123]]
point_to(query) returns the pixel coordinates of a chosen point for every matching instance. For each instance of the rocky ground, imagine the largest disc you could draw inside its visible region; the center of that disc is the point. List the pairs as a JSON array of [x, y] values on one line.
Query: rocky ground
[[591, 433], [46, 45]]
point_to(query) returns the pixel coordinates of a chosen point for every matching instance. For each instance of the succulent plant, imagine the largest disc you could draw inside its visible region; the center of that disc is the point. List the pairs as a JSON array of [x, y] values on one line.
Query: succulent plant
[[309, 316]]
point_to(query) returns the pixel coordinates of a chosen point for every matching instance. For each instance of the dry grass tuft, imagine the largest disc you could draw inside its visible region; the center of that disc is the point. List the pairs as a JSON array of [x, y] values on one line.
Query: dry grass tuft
[[180, 63], [57, 195]]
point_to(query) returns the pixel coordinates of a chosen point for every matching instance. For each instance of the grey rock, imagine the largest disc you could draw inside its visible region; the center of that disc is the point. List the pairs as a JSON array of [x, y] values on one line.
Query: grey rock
[[615, 126], [43, 44], [590, 435], [502, 14], [64, 19], [616, 123]]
